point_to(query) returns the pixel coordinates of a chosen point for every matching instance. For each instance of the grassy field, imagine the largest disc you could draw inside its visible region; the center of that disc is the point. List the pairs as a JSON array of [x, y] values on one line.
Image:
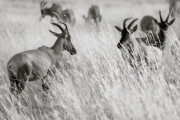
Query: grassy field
[[96, 83]]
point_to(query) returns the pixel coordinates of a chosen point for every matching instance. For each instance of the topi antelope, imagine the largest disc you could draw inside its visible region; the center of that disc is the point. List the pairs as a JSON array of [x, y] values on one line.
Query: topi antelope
[[147, 23], [94, 13], [174, 6], [37, 64], [163, 25], [136, 49], [159, 40], [56, 8], [68, 16]]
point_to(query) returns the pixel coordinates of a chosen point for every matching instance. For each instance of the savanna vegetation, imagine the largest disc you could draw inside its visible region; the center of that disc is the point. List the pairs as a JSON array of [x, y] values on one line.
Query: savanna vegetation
[[96, 83]]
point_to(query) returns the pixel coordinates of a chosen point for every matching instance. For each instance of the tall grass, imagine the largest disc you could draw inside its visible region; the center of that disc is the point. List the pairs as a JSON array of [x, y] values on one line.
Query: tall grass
[[96, 83]]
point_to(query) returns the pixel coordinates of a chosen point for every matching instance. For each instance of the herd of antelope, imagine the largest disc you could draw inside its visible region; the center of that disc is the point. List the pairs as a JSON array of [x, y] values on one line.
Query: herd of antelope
[[39, 63]]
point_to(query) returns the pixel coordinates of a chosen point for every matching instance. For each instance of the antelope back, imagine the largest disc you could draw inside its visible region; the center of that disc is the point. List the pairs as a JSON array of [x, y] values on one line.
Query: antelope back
[[68, 16], [147, 23], [94, 13], [56, 8]]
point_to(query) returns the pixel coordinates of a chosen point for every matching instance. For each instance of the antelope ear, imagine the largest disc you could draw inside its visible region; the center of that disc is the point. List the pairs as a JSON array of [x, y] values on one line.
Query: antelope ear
[[55, 34], [171, 22], [155, 20], [118, 28], [134, 28]]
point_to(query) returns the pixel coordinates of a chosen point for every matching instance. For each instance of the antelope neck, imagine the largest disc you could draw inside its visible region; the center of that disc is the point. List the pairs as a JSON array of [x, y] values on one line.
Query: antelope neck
[[130, 51], [58, 46], [133, 51], [162, 37]]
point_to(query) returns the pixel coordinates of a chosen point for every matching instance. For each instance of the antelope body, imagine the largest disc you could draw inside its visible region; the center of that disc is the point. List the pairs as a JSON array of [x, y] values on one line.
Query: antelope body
[[147, 23], [55, 8], [94, 13], [68, 16], [37, 64], [136, 49]]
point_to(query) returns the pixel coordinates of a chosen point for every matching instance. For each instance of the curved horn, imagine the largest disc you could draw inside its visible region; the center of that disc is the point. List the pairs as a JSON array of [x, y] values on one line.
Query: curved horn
[[64, 25], [129, 26], [124, 23], [168, 16], [58, 26], [160, 16], [60, 21]]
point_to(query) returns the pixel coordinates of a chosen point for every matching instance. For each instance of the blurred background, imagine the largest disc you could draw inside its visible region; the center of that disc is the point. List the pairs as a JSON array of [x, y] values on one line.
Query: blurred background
[[112, 10]]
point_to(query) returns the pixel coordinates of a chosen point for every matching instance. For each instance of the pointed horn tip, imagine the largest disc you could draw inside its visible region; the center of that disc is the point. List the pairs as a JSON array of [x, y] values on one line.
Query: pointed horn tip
[[115, 26], [168, 16], [160, 13], [125, 20], [160, 16], [51, 31], [52, 23], [128, 18], [136, 19]]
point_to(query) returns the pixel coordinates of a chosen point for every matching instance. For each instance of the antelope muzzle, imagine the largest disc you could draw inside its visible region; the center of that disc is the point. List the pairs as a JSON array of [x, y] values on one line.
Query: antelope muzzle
[[119, 45], [72, 51]]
